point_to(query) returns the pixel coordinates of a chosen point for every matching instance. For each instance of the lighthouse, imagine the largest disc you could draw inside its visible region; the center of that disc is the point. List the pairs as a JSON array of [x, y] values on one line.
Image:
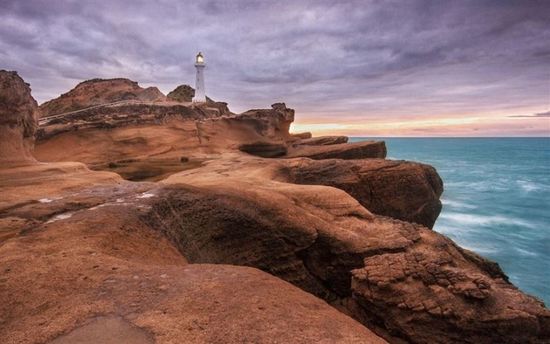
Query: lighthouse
[[200, 95]]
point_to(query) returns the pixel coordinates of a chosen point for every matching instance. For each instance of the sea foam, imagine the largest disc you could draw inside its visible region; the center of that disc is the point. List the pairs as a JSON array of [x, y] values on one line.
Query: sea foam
[[484, 220]]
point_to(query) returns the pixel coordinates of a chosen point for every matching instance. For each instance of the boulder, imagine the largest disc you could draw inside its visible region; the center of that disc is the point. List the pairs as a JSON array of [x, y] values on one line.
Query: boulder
[[185, 94], [356, 150], [18, 119], [182, 93]]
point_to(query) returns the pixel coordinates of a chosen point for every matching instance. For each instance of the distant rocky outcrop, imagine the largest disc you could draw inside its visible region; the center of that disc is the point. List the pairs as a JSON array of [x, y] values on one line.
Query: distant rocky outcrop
[[301, 136], [323, 140], [99, 92], [18, 119], [355, 150]]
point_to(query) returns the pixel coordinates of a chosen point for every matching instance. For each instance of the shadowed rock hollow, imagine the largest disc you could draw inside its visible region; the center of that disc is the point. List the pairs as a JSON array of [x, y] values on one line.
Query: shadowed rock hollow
[[246, 245]]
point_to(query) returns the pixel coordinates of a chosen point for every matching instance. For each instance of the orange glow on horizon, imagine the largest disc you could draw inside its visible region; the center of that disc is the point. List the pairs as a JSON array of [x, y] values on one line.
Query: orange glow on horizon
[[478, 125]]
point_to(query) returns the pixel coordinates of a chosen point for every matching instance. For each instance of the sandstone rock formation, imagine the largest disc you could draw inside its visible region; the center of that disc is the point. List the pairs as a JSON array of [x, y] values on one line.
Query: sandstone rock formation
[[87, 254], [77, 260], [403, 190], [98, 92], [262, 132], [301, 136], [18, 114], [126, 136], [406, 279], [184, 94], [356, 150], [83, 250], [323, 140]]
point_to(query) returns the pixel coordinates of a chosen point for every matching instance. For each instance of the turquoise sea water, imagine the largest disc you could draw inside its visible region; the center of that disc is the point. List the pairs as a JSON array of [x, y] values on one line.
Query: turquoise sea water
[[496, 200]]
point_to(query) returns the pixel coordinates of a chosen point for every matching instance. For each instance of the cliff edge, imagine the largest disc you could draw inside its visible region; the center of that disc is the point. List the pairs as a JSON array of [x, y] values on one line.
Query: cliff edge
[[253, 235], [18, 115]]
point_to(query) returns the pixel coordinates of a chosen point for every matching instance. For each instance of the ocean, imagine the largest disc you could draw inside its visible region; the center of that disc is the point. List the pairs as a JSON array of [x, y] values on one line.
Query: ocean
[[496, 200]]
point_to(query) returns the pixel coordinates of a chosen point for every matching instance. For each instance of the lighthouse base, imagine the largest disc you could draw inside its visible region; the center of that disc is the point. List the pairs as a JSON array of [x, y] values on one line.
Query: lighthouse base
[[199, 100]]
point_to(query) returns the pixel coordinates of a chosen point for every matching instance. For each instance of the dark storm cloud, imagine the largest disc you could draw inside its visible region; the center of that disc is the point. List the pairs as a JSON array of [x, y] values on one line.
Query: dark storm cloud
[[325, 58]]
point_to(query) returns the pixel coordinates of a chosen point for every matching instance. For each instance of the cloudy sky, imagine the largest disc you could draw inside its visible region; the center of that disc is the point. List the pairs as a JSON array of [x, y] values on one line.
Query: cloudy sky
[[372, 68]]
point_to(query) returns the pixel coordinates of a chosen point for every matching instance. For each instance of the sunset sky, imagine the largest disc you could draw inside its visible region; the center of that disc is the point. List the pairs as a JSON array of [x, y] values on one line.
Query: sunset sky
[[360, 68]]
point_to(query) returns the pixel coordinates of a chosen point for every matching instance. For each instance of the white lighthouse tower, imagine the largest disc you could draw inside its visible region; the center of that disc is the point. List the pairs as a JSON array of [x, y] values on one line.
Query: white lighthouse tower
[[200, 94]]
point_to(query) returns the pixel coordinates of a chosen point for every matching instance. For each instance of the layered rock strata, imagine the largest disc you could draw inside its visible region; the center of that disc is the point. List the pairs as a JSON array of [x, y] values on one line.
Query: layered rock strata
[[82, 250], [99, 92], [18, 114]]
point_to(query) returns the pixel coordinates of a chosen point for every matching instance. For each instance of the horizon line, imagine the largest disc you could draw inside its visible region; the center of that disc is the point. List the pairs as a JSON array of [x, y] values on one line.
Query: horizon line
[[450, 137]]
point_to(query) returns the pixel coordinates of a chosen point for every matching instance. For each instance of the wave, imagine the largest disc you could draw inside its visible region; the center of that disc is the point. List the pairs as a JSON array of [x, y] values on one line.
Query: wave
[[457, 204], [525, 252], [483, 248], [501, 184], [529, 186], [484, 220]]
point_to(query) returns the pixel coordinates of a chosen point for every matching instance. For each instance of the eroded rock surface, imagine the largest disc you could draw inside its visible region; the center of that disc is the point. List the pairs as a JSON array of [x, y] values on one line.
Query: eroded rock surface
[[356, 150], [81, 250], [100, 91], [403, 190], [394, 276], [77, 244], [184, 93], [18, 114], [431, 291], [323, 140], [262, 132]]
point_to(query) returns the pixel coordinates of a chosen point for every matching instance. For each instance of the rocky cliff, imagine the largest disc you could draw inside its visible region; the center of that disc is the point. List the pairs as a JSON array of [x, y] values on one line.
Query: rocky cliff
[[18, 114], [249, 244]]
